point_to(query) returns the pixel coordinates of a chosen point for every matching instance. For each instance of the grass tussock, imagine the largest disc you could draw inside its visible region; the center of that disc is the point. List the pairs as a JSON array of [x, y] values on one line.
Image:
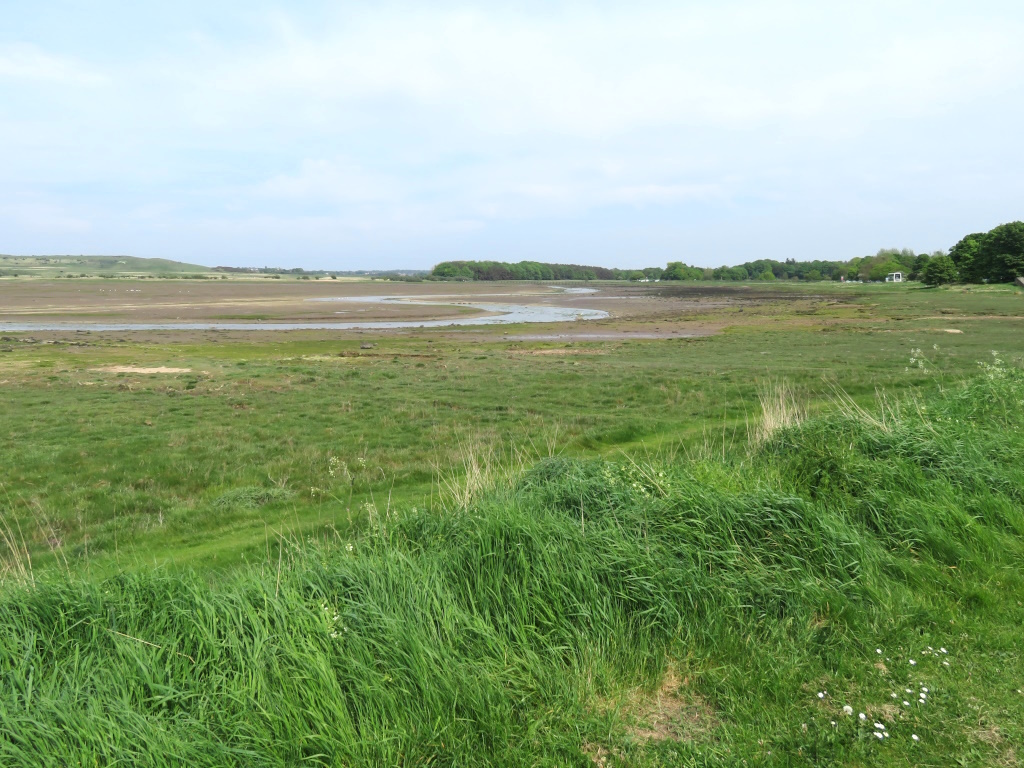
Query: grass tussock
[[252, 496], [582, 612]]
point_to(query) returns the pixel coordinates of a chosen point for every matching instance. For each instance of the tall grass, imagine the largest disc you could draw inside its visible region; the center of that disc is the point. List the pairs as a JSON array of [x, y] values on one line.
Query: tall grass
[[498, 633]]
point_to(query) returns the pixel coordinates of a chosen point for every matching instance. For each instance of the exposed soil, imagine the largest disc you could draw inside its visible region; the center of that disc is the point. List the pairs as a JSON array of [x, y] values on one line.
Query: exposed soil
[[636, 311], [137, 369], [148, 301], [671, 713]]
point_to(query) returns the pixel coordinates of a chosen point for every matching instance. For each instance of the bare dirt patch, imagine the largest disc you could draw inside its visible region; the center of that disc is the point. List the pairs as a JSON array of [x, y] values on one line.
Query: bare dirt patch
[[671, 713], [137, 369], [557, 352]]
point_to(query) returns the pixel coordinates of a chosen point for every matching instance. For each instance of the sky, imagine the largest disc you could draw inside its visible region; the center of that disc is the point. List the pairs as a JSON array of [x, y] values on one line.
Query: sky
[[359, 135]]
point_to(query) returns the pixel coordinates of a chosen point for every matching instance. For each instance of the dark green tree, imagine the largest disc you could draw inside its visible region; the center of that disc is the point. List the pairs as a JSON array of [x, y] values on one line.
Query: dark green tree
[[919, 264], [940, 271], [1002, 253], [965, 256], [674, 271]]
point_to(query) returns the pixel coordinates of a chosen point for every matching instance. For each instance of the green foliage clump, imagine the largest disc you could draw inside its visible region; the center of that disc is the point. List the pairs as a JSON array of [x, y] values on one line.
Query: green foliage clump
[[940, 271], [996, 256], [251, 496]]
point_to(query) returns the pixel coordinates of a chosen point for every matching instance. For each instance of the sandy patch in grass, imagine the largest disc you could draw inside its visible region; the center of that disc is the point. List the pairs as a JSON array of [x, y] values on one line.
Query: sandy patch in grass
[[137, 369], [557, 352], [670, 713]]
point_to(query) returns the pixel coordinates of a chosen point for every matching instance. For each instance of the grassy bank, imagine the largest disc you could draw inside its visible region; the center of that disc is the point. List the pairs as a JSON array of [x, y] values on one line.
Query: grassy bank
[[692, 611]]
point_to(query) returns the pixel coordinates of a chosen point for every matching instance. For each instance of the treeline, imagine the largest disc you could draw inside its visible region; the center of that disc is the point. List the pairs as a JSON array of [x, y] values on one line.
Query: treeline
[[529, 270], [989, 257], [872, 267]]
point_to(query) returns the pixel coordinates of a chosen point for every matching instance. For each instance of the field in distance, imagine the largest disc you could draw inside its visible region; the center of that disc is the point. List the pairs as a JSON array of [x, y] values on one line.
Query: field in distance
[[87, 266], [124, 441]]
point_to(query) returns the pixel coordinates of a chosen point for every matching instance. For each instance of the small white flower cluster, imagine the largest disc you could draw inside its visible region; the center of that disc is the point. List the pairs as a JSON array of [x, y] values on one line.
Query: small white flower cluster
[[333, 621], [996, 369], [929, 651], [922, 692], [338, 469], [635, 478], [880, 731], [922, 696]]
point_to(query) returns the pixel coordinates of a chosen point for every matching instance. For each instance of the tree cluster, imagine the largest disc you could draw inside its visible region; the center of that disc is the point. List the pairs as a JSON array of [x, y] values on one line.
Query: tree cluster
[[994, 257], [535, 270]]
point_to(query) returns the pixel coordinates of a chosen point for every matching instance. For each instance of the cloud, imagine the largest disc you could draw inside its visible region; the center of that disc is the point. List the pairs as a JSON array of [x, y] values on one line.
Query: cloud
[[21, 61], [600, 73]]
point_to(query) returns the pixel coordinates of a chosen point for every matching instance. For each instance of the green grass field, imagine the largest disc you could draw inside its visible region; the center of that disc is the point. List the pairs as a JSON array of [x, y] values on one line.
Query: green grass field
[[444, 551], [92, 266]]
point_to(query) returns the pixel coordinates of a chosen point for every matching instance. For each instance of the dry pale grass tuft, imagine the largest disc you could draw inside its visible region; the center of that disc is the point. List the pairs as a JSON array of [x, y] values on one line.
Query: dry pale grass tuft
[[482, 463], [889, 412], [779, 410], [15, 560], [477, 469], [600, 756]]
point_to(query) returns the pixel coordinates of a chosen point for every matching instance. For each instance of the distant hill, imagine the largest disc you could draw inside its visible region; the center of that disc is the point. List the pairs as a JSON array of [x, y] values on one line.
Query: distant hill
[[53, 266]]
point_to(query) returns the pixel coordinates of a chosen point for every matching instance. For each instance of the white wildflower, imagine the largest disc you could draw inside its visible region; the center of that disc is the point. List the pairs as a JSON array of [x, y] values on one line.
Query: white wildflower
[[915, 737], [862, 716], [913, 663], [847, 710]]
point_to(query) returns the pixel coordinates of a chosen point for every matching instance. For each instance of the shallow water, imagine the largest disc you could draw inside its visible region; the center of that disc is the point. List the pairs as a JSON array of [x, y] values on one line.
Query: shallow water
[[501, 314]]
